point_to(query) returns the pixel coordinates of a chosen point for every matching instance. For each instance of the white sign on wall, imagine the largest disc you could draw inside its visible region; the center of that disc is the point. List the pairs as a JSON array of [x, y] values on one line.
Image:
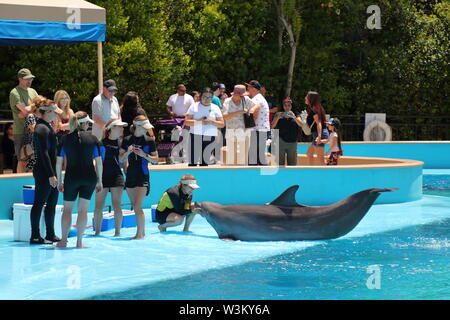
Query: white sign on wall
[[375, 116]]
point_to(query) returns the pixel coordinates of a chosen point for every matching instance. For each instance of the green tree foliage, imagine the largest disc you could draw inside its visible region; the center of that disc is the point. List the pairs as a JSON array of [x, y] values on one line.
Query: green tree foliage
[[152, 45]]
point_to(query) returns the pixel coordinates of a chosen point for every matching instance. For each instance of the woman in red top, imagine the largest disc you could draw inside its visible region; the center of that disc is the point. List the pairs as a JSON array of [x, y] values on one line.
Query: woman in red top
[[62, 100]]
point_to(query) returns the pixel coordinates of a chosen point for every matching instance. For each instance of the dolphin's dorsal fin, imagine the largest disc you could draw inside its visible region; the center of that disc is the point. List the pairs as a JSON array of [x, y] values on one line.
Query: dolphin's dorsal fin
[[287, 198]]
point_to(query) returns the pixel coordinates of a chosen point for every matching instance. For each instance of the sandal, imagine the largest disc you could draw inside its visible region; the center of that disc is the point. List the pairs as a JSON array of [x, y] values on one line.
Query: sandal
[[39, 241], [53, 239]]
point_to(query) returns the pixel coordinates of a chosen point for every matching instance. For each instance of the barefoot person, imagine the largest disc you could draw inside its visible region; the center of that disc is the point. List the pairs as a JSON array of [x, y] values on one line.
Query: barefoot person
[[81, 178], [138, 149], [112, 175], [176, 203]]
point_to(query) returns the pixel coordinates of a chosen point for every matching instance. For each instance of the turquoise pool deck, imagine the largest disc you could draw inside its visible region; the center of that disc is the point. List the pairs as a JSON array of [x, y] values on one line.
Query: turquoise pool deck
[[434, 154]]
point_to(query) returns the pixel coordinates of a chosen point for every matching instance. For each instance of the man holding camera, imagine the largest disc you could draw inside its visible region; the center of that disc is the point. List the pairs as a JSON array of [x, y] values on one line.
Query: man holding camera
[[288, 124]]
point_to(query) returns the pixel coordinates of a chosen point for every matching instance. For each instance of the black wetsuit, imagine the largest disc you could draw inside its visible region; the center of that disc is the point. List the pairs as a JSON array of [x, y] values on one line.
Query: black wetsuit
[[44, 139], [112, 174], [80, 148], [137, 171]]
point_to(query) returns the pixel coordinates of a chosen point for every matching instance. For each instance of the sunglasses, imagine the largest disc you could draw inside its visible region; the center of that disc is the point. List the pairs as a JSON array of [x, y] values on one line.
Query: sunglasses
[[207, 97]]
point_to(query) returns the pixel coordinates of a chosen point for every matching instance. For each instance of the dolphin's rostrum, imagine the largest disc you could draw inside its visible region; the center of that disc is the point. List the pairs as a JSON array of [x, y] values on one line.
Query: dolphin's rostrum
[[285, 219]]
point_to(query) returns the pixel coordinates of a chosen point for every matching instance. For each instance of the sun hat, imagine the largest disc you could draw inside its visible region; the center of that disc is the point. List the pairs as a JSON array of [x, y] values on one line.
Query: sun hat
[[143, 123], [118, 123], [85, 119], [191, 183], [53, 108], [239, 90]]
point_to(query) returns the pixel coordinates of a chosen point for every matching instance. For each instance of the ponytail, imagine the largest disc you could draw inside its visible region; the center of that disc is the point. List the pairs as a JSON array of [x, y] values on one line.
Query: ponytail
[[73, 123]]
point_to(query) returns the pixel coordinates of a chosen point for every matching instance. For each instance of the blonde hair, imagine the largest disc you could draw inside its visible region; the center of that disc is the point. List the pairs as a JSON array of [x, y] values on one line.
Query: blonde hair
[[67, 110], [74, 123]]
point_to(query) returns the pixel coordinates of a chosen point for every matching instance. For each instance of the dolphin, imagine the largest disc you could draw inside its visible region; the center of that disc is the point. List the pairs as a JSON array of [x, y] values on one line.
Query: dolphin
[[285, 219]]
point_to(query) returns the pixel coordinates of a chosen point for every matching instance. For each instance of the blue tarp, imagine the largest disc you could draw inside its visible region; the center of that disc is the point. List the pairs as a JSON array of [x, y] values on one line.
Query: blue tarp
[[23, 32]]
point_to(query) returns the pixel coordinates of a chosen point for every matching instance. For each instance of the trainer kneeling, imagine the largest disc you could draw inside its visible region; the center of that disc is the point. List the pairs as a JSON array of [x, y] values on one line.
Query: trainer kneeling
[[176, 203]]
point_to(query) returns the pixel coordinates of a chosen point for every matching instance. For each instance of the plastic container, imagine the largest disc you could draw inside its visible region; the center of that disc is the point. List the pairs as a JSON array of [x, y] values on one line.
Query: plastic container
[[129, 219], [22, 223], [153, 208], [107, 222], [28, 194]]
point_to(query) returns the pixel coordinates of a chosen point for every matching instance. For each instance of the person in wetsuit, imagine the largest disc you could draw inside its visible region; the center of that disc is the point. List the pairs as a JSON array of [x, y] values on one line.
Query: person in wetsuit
[[176, 203], [44, 174], [112, 175], [138, 149], [81, 178]]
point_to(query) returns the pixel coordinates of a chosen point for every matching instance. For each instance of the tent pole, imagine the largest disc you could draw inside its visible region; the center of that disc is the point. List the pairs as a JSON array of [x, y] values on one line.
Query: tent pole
[[100, 66]]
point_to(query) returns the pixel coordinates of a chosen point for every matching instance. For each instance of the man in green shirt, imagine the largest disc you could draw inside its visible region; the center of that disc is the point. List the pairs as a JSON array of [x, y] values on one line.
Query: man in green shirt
[[20, 99]]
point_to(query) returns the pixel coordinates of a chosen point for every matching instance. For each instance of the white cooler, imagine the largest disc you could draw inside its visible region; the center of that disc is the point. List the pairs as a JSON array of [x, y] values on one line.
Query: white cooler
[[22, 223]]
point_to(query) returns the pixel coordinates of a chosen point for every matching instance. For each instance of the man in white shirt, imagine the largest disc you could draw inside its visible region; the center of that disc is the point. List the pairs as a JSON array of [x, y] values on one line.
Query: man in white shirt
[[259, 136], [104, 108], [179, 103]]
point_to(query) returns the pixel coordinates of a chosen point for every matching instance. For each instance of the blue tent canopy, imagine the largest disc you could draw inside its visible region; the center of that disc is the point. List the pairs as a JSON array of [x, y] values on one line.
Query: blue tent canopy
[[30, 22], [26, 22]]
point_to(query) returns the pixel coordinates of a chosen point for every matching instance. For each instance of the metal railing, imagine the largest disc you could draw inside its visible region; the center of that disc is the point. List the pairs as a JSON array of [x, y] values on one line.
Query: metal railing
[[404, 127]]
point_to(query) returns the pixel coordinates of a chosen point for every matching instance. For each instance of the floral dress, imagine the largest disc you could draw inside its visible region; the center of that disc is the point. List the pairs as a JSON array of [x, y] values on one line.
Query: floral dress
[[30, 119]]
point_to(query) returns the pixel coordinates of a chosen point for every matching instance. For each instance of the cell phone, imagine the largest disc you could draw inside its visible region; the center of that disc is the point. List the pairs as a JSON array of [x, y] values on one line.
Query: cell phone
[[285, 114]]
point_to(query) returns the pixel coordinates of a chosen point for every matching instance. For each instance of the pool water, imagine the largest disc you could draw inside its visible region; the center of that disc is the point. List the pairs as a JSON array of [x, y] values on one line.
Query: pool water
[[413, 263]]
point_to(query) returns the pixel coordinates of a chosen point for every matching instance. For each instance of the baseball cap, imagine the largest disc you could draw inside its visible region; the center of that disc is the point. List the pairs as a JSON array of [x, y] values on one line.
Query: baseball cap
[[25, 74], [334, 122], [239, 90], [222, 86], [110, 85], [191, 183], [287, 100], [255, 84]]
